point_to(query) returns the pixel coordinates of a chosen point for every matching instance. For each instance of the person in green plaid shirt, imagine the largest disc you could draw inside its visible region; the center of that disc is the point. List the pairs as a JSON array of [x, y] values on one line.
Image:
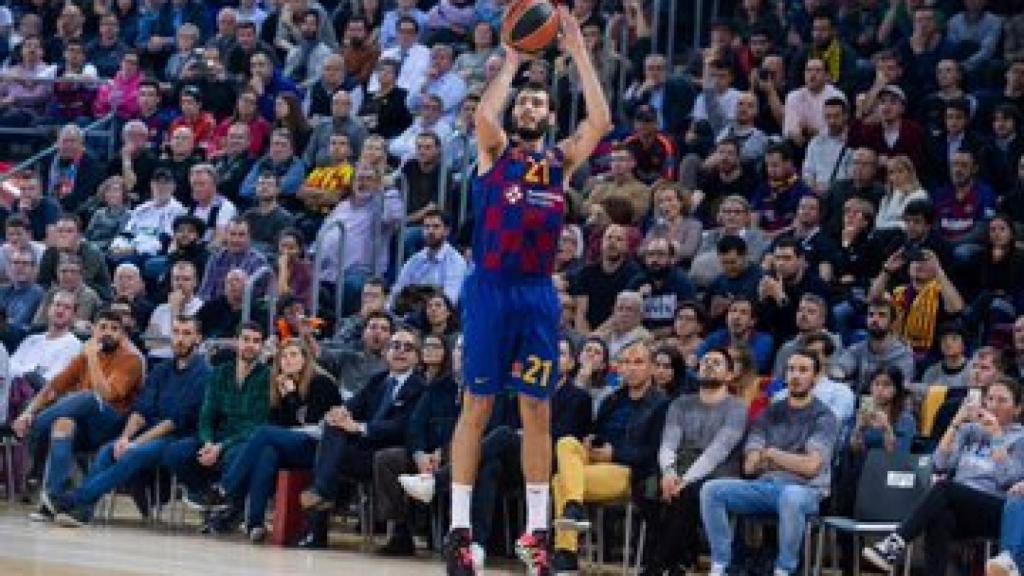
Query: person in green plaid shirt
[[237, 401]]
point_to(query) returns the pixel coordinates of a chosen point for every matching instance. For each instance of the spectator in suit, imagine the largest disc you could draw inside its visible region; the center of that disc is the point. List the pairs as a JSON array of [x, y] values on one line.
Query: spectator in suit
[[671, 98], [375, 418]]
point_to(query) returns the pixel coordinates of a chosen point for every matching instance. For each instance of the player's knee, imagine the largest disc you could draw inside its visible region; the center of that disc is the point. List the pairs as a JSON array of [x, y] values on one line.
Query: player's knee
[[476, 411], [535, 413]]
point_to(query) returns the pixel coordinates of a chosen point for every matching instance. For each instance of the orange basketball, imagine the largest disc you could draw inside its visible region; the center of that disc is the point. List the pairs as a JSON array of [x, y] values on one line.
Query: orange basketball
[[530, 25]]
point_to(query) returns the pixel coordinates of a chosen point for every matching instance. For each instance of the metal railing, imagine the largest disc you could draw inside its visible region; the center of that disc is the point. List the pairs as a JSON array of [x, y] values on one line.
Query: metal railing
[[403, 223], [38, 157], [318, 260], [250, 289]]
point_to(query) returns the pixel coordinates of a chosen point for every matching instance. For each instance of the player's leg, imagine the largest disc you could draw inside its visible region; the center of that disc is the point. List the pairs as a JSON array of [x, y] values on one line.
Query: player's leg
[[538, 358], [486, 363]]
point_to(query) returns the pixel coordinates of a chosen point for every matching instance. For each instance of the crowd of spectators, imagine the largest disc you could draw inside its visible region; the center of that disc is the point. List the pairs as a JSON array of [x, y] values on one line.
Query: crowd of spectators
[[802, 242]]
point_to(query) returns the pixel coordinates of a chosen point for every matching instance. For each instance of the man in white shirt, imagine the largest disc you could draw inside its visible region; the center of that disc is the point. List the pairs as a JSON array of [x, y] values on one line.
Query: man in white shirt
[[429, 119], [828, 156], [717, 102], [213, 209], [413, 58], [805, 107], [181, 301], [47, 354], [152, 221], [389, 33], [438, 264], [442, 82]]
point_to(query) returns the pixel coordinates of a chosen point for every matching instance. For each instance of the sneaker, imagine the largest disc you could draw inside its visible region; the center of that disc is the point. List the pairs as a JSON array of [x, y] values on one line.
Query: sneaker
[[564, 562], [211, 500], [532, 550], [46, 502], [1002, 565], [42, 514], [574, 517], [257, 534], [72, 518], [458, 553], [418, 486], [886, 553]]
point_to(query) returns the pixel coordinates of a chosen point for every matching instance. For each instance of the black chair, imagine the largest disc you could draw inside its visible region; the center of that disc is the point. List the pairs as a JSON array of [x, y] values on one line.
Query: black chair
[[889, 487]]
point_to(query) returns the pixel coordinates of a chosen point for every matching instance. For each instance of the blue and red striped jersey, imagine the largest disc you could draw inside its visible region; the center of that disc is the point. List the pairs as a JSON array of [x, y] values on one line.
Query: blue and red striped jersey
[[519, 208]]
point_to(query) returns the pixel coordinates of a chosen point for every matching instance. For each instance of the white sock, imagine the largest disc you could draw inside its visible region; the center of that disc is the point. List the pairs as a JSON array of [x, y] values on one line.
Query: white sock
[[537, 502], [462, 496]]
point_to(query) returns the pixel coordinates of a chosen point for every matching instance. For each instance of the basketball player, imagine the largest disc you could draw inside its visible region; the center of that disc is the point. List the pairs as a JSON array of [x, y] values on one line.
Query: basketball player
[[510, 308]]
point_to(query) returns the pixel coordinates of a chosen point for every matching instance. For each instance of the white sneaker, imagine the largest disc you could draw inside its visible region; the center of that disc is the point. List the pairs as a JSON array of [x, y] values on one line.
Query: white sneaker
[[479, 556], [717, 570], [418, 486], [1002, 565]]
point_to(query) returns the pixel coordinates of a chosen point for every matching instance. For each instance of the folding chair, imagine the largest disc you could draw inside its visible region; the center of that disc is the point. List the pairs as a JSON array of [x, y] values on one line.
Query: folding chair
[[889, 487]]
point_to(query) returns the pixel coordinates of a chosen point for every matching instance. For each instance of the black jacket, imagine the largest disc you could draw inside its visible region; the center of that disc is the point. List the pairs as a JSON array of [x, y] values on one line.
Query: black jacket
[[389, 428], [296, 411], [638, 447], [571, 412], [433, 420]]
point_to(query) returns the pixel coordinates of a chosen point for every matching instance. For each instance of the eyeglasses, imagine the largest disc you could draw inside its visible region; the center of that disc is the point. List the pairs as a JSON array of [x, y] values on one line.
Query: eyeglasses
[[398, 345]]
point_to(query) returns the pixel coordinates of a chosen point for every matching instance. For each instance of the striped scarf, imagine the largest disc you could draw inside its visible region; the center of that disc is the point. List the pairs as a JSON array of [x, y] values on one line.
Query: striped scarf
[[916, 319]]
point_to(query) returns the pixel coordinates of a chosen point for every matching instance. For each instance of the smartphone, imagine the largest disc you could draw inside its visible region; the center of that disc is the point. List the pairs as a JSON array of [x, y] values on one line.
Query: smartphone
[[973, 397], [867, 405]]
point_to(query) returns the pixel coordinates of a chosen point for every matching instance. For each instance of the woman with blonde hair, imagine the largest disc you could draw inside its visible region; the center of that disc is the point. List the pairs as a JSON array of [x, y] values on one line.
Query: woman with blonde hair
[[672, 219], [301, 393], [903, 187]]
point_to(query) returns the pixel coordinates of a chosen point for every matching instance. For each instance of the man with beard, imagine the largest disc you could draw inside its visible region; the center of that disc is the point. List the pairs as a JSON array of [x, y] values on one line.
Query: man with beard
[[780, 291], [597, 285], [510, 309], [438, 264], [662, 285], [165, 411], [237, 400], [739, 330], [881, 348], [787, 457], [305, 60], [84, 406], [699, 441]]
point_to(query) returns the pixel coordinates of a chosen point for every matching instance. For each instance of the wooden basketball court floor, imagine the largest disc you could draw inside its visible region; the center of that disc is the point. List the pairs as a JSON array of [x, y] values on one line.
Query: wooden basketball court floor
[[128, 547]]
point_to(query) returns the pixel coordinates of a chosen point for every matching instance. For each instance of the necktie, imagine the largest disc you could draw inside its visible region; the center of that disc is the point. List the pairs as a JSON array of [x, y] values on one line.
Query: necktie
[[387, 398]]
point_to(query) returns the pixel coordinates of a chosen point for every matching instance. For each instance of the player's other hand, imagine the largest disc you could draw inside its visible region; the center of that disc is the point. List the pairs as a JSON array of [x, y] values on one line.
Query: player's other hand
[[572, 37]]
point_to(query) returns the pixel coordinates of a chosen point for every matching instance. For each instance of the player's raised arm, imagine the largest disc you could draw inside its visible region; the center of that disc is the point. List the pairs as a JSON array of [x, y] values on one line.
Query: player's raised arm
[[598, 122], [490, 136]]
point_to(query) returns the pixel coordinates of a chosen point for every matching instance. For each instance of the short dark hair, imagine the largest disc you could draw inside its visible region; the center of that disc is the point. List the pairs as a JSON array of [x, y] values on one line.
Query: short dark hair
[[781, 148], [731, 243], [193, 320], [960, 105], [823, 338], [407, 20], [744, 298], [537, 87], [923, 208], [724, 352], [381, 315], [791, 243], [109, 315], [246, 24], [815, 361], [252, 326], [380, 283], [435, 213], [837, 101]]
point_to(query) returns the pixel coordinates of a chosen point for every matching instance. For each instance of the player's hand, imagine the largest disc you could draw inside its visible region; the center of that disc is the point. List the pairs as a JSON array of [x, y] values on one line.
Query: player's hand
[[572, 37], [120, 447], [671, 485]]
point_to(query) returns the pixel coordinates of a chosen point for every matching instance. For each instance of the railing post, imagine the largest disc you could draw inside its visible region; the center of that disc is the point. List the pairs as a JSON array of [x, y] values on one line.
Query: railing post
[[400, 249], [250, 287]]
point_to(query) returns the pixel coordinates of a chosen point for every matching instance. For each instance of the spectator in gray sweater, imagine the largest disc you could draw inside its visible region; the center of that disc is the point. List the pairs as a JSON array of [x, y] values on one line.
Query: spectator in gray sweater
[[881, 348], [700, 440], [983, 449]]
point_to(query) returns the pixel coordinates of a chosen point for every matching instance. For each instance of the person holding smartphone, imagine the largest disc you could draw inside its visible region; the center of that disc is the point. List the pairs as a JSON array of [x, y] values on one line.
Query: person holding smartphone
[[983, 450]]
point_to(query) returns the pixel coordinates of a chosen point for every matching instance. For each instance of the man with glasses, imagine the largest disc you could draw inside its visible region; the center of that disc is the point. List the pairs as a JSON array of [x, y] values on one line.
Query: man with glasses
[[374, 419]]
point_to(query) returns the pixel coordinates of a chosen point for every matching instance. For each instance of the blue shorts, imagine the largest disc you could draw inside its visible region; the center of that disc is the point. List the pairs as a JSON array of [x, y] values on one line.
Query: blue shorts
[[510, 335]]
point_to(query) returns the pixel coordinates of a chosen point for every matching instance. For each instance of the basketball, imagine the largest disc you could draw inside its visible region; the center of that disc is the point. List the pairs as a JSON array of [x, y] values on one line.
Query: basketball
[[530, 25]]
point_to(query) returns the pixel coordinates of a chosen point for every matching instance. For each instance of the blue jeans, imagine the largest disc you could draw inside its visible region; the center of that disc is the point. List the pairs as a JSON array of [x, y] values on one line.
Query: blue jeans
[[792, 503], [108, 474], [181, 457], [269, 449], [95, 423], [1012, 533]]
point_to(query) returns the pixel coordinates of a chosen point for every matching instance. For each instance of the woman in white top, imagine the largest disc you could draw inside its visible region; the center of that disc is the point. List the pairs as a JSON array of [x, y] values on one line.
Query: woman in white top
[[903, 188]]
